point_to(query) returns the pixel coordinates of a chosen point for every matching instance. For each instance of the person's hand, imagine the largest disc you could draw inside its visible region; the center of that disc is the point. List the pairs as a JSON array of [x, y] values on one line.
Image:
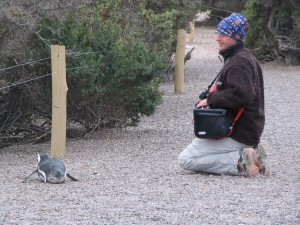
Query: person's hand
[[202, 103]]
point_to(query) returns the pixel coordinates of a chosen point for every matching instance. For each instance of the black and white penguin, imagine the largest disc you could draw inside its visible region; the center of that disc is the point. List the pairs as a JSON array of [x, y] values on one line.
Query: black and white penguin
[[51, 170]]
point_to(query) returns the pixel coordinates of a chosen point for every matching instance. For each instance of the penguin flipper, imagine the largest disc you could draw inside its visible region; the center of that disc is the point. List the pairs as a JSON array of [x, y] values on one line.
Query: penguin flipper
[[72, 178], [29, 176]]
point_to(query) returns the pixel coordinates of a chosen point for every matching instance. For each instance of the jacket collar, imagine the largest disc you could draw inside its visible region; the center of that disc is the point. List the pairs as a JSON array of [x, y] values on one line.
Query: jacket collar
[[231, 51]]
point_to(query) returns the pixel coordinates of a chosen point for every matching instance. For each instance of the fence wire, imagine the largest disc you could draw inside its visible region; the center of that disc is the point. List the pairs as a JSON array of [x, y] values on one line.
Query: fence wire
[[37, 78], [24, 64]]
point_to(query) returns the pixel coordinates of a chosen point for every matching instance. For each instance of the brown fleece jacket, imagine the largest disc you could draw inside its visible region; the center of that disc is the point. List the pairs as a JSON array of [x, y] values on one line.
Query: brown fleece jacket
[[240, 85]]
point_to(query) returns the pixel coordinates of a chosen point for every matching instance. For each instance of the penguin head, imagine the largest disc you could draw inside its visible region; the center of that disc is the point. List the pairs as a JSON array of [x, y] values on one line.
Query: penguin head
[[57, 174], [42, 157]]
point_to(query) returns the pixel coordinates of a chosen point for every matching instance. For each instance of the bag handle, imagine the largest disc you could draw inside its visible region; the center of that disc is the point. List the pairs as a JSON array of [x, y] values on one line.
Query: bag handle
[[240, 112], [212, 83]]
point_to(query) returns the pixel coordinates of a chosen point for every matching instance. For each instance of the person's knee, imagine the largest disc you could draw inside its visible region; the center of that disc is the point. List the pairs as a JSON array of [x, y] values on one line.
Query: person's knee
[[183, 162], [180, 161]]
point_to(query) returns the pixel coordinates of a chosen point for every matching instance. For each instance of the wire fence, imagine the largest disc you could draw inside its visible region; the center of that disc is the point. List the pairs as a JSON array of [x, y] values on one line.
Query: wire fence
[[70, 54], [24, 64], [210, 7], [37, 78], [77, 54]]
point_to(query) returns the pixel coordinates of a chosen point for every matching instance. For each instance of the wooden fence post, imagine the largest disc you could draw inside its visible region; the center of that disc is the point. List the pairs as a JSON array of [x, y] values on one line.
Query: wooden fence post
[[191, 32], [59, 100], [179, 61]]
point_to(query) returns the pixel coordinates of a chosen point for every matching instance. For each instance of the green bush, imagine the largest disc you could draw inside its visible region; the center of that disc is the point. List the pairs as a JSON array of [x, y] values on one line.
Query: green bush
[[272, 24], [116, 52], [115, 79]]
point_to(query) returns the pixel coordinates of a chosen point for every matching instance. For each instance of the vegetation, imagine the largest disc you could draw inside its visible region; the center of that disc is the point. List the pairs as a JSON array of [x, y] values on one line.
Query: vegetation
[[116, 53], [274, 33]]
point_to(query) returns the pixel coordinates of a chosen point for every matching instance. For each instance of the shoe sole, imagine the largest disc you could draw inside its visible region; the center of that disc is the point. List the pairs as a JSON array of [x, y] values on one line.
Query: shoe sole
[[249, 157], [263, 164]]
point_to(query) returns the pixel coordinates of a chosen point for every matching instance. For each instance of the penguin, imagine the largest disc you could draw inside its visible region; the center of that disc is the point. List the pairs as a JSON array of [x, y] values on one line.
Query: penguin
[[50, 170]]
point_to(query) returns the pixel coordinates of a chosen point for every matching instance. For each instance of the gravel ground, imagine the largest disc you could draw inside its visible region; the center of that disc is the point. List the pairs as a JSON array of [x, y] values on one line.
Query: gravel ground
[[131, 176]]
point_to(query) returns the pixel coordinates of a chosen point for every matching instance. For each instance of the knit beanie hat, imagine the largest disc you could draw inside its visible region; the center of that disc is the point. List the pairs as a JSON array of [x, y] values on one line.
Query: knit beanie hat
[[235, 26]]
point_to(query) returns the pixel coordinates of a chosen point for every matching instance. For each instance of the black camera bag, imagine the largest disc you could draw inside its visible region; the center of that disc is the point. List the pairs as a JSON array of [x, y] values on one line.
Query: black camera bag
[[212, 123]]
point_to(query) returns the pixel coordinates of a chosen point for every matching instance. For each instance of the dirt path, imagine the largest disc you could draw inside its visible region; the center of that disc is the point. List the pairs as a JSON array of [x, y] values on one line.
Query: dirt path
[[132, 177]]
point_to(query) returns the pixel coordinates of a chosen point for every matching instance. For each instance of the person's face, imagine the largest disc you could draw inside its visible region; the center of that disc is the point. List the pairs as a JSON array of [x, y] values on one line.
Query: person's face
[[225, 41]]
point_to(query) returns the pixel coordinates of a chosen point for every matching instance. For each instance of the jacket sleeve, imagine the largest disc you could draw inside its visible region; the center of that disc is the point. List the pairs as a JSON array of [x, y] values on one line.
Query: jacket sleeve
[[238, 82]]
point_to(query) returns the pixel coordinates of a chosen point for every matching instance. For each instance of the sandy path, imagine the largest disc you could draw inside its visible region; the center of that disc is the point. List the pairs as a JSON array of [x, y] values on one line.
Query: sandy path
[[131, 176]]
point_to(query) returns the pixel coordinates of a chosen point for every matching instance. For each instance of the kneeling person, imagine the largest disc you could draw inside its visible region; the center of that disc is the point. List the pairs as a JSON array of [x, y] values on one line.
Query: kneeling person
[[239, 85]]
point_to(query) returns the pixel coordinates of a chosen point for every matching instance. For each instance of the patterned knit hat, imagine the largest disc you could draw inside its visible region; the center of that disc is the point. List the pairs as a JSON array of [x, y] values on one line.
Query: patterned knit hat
[[235, 26]]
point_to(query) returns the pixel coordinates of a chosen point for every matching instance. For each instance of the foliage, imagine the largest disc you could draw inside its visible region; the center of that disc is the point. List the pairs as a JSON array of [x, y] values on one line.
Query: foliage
[[117, 78], [275, 26], [296, 19], [258, 20], [116, 52], [219, 9], [185, 9], [275, 30]]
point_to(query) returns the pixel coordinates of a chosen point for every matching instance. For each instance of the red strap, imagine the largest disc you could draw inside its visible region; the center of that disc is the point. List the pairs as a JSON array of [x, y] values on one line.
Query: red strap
[[240, 112], [215, 87]]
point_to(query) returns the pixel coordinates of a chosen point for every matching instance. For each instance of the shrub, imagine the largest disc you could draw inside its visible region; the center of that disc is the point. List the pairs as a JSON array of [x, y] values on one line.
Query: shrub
[[274, 33], [117, 77], [116, 51]]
